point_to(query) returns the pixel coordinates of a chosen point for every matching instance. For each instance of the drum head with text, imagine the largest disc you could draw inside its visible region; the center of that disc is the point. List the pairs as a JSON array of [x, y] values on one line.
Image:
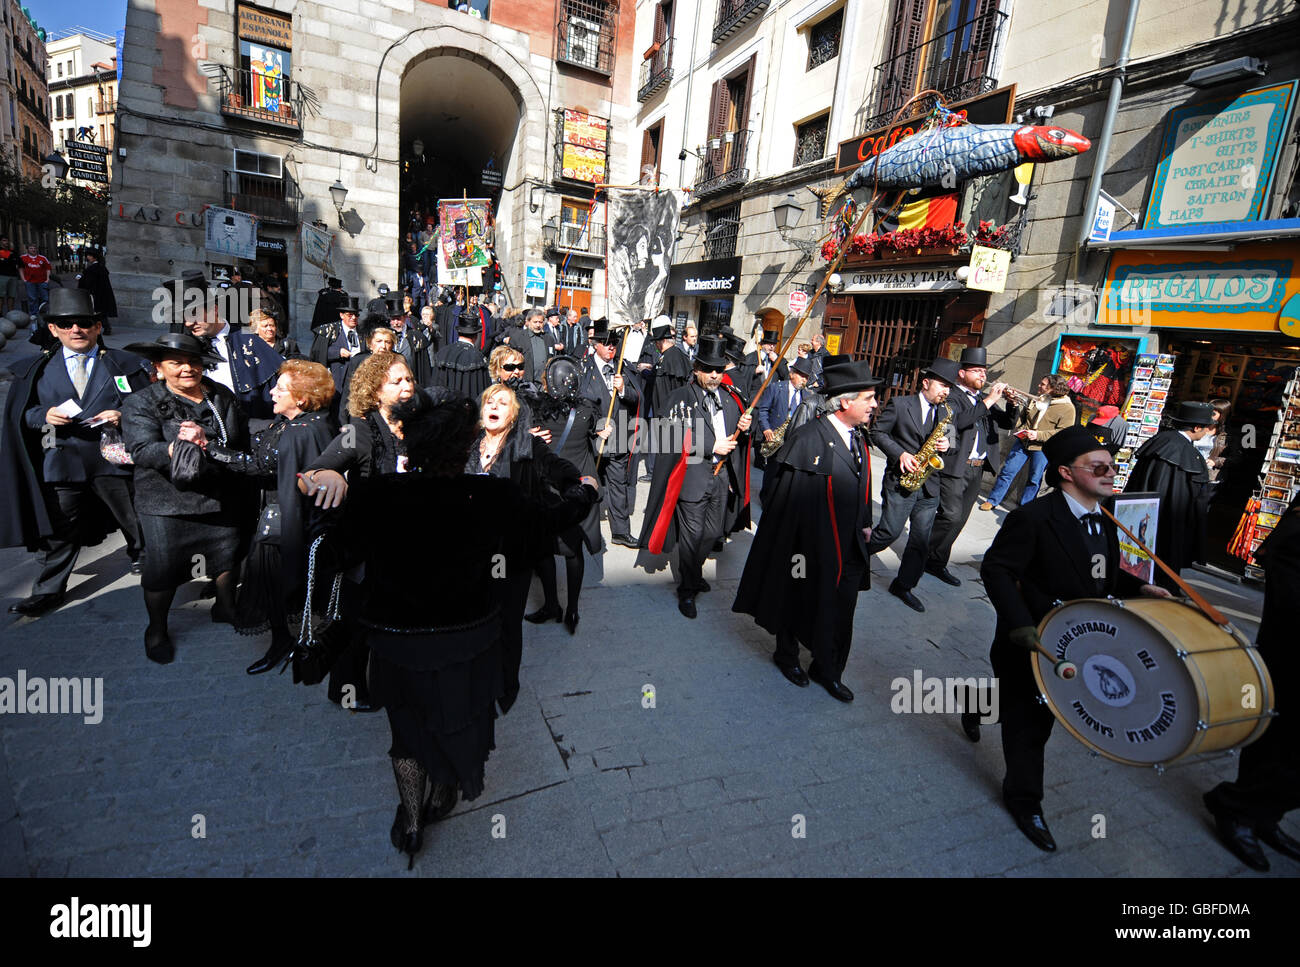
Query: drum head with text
[[1133, 699]]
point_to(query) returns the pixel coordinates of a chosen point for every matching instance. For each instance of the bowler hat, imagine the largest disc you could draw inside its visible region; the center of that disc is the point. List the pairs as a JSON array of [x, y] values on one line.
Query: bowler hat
[[69, 304], [1069, 443], [1187, 413], [174, 342], [553, 313], [851, 377], [942, 369], [974, 356], [711, 352]]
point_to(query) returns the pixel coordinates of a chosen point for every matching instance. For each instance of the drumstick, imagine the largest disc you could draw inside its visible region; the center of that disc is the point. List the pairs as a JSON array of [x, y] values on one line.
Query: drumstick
[[1064, 669], [1210, 611]]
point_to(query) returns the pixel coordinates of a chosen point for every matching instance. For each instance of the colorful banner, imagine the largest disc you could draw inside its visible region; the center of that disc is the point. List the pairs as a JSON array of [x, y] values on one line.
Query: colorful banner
[[585, 143], [462, 232], [267, 70]]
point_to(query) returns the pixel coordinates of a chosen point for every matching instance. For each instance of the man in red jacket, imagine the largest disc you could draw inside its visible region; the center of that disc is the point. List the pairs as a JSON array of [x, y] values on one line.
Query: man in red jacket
[[36, 273]]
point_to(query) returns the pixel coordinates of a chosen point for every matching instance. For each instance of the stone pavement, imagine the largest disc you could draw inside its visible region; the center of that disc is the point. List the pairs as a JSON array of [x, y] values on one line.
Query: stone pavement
[[711, 780]]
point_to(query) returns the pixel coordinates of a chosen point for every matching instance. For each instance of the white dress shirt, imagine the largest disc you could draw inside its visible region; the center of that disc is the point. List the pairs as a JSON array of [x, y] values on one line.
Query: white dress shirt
[[978, 447], [221, 346], [70, 361]]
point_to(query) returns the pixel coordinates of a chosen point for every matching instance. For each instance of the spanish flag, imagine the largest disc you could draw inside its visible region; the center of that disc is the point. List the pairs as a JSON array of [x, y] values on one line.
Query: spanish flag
[[936, 212]]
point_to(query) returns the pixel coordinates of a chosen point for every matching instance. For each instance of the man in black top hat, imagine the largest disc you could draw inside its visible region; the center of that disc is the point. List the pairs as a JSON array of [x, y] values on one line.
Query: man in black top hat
[[1053, 549], [602, 382], [673, 370], [902, 429], [809, 558], [460, 366], [687, 507], [976, 420], [411, 342], [336, 343], [328, 301], [757, 364], [1170, 465], [59, 488]]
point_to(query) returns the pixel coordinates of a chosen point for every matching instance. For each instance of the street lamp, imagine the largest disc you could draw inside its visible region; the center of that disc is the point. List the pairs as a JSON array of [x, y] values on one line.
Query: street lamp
[[550, 232], [57, 164], [339, 194], [787, 213]]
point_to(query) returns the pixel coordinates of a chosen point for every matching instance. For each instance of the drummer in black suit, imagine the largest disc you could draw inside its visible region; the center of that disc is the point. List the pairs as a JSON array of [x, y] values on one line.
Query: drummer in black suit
[[1051, 550], [900, 431], [976, 420]]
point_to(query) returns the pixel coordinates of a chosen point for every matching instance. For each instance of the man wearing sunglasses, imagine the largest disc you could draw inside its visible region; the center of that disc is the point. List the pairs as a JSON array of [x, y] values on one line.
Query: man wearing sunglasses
[[59, 487], [1052, 549]]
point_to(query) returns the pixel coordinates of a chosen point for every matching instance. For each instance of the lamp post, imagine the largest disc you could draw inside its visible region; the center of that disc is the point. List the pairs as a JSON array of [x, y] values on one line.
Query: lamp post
[[339, 195], [57, 165]]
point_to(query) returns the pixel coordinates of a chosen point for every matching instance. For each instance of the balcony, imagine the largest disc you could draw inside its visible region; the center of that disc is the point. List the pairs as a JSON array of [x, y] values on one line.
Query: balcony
[[106, 105], [561, 239], [958, 64], [251, 96], [585, 35], [656, 70], [734, 15], [723, 164], [274, 200]]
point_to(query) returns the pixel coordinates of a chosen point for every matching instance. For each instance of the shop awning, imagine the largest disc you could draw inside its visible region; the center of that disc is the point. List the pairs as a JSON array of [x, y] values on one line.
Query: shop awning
[[1226, 233]]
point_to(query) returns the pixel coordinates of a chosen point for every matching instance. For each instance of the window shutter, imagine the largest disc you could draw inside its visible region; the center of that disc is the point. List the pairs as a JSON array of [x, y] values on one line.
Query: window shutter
[[744, 110], [906, 33], [661, 24]]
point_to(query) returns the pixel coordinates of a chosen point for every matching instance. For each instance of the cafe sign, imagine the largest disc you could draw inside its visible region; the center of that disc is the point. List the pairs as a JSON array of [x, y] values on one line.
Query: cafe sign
[[1243, 290], [928, 279], [1218, 158]]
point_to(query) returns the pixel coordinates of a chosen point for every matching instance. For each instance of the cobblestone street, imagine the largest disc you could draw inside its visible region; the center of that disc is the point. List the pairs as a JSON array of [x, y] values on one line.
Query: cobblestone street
[[586, 780]]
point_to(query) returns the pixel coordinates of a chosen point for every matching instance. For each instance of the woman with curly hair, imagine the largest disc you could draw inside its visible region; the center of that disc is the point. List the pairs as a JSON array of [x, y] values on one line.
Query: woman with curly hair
[[437, 662], [506, 365], [276, 568]]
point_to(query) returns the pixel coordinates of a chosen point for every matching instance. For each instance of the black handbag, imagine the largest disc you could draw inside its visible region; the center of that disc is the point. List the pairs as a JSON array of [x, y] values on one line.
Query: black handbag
[[319, 645], [268, 525], [187, 464]]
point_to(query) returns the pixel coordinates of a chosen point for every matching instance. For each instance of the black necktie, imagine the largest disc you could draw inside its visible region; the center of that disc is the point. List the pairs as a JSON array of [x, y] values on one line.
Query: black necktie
[[1092, 524], [855, 446], [929, 421], [352, 339]]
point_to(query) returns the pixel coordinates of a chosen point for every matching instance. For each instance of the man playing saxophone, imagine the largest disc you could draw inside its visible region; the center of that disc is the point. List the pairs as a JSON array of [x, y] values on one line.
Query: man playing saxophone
[[779, 404], [909, 431]]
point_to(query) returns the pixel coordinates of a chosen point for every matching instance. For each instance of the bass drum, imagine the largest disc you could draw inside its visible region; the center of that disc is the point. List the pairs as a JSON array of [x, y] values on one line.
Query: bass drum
[[1157, 681]]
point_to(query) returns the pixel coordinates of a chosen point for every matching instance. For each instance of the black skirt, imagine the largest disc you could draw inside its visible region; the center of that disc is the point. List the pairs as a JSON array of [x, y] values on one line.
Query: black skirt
[[260, 603], [181, 549], [439, 688]]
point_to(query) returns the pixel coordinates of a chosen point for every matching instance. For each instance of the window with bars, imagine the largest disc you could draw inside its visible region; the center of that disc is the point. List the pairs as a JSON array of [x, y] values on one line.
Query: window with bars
[[810, 139], [587, 33], [824, 39], [576, 278], [722, 230]]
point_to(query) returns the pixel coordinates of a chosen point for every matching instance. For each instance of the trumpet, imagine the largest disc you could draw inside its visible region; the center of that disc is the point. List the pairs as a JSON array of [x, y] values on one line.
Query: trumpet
[[1020, 397]]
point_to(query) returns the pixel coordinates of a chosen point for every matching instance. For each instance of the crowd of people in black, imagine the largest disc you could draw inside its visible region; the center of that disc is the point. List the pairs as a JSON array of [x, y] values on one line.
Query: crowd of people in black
[[225, 454]]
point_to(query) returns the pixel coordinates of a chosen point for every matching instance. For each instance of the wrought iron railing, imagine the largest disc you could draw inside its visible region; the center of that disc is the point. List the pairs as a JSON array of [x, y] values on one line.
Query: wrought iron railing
[[656, 70], [273, 200], [585, 35], [735, 14], [957, 63], [824, 39], [722, 233], [260, 97], [810, 140], [575, 238], [723, 164]]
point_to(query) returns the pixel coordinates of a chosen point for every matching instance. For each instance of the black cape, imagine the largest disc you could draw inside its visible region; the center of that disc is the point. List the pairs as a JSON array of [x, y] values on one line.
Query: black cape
[[328, 302], [461, 368], [1169, 465], [672, 373]]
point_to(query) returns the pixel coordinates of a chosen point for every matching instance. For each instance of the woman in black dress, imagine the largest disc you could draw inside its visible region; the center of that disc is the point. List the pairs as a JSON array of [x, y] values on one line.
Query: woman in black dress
[[436, 648], [505, 448], [276, 569], [194, 516], [567, 423]]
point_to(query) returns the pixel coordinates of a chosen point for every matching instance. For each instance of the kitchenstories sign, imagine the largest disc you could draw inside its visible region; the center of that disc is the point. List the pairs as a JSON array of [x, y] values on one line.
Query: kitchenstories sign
[[1218, 158], [1243, 290]]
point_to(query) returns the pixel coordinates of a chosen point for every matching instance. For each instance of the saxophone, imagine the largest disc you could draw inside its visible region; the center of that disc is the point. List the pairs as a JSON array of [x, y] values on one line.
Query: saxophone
[[927, 456], [770, 447]]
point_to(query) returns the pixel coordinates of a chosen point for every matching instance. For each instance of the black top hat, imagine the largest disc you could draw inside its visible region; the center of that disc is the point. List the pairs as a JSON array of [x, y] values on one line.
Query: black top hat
[[601, 332], [711, 352], [664, 331], [770, 335], [974, 356], [469, 324], [193, 280], [377, 307], [941, 369], [1186, 413], [735, 350], [174, 342], [553, 312], [851, 377], [1065, 445], [803, 365], [334, 283], [352, 304], [69, 304]]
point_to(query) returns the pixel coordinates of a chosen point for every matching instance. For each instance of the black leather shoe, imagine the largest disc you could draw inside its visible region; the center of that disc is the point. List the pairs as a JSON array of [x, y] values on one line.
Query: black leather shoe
[[627, 540], [1035, 829], [571, 621], [1239, 839], [137, 567], [687, 607], [834, 686], [1280, 841], [970, 724], [794, 673], [158, 646], [907, 597], [274, 655], [702, 586], [944, 575], [720, 543], [545, 613], [646, 478], [37, 604], [408, 843]]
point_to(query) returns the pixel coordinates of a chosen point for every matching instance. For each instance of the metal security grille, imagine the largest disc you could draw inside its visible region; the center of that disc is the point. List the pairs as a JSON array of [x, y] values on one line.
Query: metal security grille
[[723, 228], [898, 335], [810, 140], [586, 35], [824, 39], [715, 315]]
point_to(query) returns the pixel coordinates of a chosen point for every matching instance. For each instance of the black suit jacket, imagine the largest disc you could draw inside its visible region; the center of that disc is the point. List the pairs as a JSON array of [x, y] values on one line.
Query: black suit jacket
[[899, 430], [774, 407], [966, 417], [591, 387]]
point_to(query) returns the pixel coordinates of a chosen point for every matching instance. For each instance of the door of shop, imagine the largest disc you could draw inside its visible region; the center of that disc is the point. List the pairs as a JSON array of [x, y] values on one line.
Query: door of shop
[[898, 335]]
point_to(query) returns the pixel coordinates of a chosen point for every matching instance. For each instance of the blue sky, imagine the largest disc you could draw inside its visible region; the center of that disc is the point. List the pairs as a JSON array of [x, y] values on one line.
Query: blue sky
[[106, 16]]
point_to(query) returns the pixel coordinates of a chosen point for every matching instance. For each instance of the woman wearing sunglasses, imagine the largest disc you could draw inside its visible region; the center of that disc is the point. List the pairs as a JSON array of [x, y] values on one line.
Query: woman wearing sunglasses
[[506, 365]]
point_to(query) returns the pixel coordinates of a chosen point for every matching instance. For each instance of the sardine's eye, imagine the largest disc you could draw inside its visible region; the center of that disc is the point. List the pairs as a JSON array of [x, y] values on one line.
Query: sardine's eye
[[1057, 134]]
